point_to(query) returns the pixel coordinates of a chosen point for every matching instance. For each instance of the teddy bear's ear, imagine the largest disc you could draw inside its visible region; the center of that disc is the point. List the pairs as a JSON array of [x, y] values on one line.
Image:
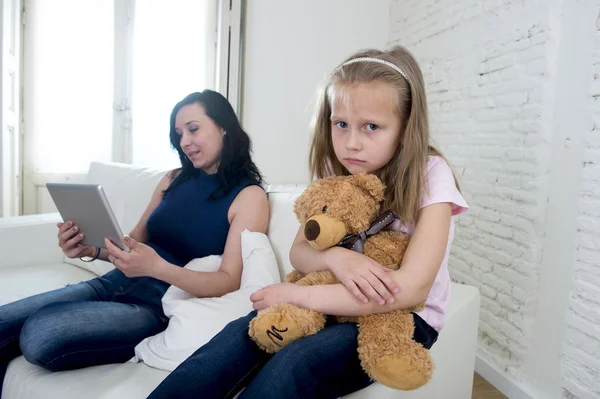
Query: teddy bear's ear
[[370, 184]]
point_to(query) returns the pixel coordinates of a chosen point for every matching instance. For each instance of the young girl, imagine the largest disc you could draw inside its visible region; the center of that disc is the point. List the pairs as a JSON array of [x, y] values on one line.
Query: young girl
[[372, 118]]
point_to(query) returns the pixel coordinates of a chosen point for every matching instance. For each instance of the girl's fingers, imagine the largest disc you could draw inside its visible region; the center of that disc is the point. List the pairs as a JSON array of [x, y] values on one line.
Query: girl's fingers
[[366, 287], [353, 288], [385, 278], [380, 288]]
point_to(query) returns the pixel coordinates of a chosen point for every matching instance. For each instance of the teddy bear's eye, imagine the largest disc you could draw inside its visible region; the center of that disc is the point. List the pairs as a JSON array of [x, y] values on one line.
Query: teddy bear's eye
[[325, 209]]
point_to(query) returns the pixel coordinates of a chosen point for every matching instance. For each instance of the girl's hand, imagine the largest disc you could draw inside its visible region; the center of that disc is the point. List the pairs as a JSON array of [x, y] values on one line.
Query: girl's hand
[[361, 275], [69, 238], [275, 294], [141, 261]]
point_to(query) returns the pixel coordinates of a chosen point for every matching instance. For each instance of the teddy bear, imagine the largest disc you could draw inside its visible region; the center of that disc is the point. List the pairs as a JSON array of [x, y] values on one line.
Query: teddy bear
[[345, 211]]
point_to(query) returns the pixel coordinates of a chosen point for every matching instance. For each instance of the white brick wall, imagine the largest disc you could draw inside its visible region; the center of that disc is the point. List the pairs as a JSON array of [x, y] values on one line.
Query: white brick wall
[[581, 358], [486, 70]]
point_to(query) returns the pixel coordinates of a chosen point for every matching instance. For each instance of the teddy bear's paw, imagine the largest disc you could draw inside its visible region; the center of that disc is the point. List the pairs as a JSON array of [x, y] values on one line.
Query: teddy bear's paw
[[401, 371], [281, 325]]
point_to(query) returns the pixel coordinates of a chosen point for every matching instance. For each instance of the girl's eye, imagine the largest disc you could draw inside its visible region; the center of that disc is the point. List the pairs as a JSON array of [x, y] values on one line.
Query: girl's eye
[[325, 209], [341, 125], [193, 130], [372, 127]]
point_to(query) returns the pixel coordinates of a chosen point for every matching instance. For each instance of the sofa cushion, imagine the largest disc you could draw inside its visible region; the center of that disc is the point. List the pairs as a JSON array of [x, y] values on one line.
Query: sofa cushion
[[112, 381], [283, 224], [23, 281], [453, 354]]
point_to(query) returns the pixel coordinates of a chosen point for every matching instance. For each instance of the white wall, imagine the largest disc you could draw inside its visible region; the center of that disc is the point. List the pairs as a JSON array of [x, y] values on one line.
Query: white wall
[[485, 71], [581, 358], [512, 88], [290, 46]]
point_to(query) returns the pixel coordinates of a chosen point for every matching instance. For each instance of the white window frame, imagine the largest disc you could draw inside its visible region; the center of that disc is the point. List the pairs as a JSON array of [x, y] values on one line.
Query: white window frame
[[10, 111], [227, 72]]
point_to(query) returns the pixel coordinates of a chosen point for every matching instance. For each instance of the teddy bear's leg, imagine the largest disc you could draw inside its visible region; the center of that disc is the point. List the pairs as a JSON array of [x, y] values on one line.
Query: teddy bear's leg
[[389, 354], [279, 325]]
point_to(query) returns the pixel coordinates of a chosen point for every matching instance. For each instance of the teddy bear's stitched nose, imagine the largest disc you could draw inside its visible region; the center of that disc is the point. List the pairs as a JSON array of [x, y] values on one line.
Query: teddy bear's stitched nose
[[312, 230]]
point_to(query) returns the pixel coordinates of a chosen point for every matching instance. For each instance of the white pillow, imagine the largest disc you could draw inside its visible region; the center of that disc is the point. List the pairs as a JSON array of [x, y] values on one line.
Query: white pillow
[[195, 321]]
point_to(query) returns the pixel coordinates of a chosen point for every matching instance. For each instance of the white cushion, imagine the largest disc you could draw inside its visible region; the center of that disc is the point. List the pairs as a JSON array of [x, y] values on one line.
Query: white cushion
[[283, 224], [194, 321]]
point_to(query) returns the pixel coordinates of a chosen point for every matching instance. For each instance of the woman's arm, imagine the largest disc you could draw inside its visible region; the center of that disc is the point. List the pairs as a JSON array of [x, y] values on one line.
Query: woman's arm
[[250, 210], [139, 232], [415, 278]]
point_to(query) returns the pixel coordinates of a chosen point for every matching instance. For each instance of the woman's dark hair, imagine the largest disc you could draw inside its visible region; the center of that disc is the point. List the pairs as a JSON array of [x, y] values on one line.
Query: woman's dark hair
[[236, 162]]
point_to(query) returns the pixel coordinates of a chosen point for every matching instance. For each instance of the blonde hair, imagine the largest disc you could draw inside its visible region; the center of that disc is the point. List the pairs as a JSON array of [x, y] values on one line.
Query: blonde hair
[[404, 175]]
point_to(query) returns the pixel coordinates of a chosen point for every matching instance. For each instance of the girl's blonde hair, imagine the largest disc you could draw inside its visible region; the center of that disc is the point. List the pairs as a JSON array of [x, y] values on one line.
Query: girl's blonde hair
[[404, 175]]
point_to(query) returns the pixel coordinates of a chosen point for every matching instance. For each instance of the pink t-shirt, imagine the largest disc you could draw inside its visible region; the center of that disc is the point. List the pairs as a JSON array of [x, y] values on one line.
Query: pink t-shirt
[[439, 188]]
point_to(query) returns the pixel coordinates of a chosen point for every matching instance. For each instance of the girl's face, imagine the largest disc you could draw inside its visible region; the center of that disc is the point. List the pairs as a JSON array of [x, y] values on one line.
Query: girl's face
[[365, 126], [200, 138]]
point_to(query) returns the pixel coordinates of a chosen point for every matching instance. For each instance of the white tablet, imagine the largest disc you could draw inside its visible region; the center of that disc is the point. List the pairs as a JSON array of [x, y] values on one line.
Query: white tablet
[[86, 206]]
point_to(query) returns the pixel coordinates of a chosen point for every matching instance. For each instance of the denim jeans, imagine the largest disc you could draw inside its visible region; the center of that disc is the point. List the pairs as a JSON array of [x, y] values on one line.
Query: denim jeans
[[324, 365], [94, 322]]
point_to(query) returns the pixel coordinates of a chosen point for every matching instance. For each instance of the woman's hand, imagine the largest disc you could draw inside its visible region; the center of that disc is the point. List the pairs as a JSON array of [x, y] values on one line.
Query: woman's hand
[[275, 294], [364, 277], [141, 261], [69, 238]]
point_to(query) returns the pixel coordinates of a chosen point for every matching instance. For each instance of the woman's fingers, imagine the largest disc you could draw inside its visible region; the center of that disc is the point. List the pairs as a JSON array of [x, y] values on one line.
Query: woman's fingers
[[68, 234]]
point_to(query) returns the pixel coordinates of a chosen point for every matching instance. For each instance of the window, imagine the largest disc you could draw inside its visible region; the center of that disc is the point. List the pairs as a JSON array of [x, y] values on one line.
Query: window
[[101, 77], [168, 63], [68, 75]]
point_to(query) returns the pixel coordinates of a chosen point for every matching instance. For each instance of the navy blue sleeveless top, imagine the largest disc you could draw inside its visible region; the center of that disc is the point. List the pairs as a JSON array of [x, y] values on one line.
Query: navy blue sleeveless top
[[186, 225]]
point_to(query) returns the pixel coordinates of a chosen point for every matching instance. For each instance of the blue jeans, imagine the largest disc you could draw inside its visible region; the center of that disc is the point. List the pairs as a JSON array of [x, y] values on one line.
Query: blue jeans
[[94, 322], [324, 365]]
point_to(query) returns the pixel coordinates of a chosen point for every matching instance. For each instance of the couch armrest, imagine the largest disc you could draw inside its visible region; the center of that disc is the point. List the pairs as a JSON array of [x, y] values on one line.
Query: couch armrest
[[29, 240]]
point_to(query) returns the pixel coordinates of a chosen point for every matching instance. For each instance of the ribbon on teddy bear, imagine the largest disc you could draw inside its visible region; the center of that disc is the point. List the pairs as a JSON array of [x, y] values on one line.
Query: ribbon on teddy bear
[[356, 242]]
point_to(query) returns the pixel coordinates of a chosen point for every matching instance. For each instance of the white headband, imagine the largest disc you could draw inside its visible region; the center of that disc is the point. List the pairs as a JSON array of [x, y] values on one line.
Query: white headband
[[384, 62]]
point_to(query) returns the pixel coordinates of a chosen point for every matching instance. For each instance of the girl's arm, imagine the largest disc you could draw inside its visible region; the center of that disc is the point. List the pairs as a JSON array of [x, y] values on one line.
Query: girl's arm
[[360, 274], [415, 278], [305, 258]]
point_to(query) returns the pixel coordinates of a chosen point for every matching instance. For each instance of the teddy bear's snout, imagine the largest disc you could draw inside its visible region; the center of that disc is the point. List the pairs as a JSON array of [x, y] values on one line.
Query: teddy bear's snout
[[312, 230]]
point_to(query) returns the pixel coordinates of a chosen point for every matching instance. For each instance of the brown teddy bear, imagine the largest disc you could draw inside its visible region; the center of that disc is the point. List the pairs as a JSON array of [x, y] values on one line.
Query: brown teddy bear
[[345, 210]]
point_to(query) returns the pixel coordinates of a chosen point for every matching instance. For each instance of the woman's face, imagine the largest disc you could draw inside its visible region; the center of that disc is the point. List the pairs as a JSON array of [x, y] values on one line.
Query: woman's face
[[200, 138]]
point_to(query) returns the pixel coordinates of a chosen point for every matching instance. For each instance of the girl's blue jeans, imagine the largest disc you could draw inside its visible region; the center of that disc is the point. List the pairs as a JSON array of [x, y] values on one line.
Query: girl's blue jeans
[[324, 365]]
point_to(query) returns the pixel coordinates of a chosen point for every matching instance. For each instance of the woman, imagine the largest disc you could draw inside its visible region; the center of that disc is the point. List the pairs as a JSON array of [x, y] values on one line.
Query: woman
[[197, 210]]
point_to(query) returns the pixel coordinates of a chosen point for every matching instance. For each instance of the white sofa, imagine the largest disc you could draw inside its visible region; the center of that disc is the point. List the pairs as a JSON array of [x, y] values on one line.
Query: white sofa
[[31, 262]]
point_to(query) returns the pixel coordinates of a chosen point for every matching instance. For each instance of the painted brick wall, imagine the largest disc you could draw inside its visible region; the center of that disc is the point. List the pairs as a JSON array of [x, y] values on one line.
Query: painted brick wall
[[486, 69], [581, 359]]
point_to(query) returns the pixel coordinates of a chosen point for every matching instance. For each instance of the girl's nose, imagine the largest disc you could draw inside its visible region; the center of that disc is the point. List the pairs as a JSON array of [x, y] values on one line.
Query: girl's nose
[[353, 142]]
